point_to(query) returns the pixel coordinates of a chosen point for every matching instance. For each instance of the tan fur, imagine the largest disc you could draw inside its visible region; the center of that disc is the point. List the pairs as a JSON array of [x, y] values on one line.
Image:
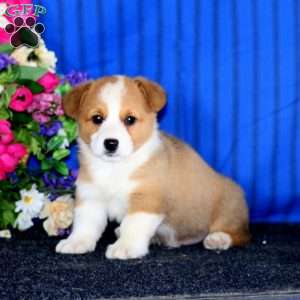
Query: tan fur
[[135, 104], [175, 181], [154, 95], [195, 199], [82, 103]]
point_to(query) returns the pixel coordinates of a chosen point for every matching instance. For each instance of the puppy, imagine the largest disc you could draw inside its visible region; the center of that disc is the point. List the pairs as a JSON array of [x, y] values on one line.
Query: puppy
[[151, 183]]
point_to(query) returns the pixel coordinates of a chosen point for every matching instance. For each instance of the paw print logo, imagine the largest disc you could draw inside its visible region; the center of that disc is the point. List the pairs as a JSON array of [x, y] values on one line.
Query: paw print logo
[[24, 32]]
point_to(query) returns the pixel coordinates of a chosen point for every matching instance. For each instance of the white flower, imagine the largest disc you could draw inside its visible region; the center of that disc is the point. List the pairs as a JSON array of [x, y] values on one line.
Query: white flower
[[47, 58], [22, 54], [35, 57], [59, 214], [65, 144], [6, 234], [3, 20], [31, 202], [1, 88], [23, 221]]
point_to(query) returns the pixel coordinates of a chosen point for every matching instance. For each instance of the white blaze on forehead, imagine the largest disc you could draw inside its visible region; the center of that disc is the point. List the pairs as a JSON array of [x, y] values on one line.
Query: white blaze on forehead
[[111, 94]]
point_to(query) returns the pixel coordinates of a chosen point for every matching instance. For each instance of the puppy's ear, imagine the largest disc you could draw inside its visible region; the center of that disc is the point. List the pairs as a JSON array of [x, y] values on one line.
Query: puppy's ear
[[153, 93], [73, 100]]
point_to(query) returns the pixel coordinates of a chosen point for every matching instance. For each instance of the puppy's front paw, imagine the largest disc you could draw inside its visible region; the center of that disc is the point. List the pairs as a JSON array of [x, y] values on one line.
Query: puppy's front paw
[[217, 241], [73, 245], [122, 250]]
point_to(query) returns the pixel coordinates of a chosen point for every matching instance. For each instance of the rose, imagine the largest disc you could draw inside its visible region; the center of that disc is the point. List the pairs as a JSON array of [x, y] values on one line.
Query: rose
[[49, 81], [17, 150], [2, 175], [6, 135], [8, 163], [3, 149], [21, 99]]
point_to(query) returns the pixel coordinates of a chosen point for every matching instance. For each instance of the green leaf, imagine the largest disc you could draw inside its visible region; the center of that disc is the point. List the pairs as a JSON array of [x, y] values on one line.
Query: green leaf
[[20, 118], [24, 136], [35, 146], [60, 154], [7, 215], [10, 75], [8, 218], [46, 164], [6, 205], [4, 113], [31, 73], [63, 89], [33, 126], [70, 128], [55, 142], [61, 168], [7, 94], [40, 156], [34, 87], [6, 48]]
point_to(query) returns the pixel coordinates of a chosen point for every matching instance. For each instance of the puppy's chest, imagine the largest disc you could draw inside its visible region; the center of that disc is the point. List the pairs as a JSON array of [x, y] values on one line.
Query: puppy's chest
[[115, 184]]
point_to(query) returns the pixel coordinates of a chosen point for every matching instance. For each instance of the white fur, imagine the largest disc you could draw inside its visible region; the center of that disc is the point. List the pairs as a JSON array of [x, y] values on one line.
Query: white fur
[[106, 196], [217, 241], [168, 235], [111, 180], [90, 220], [112, 127], [136, 231]]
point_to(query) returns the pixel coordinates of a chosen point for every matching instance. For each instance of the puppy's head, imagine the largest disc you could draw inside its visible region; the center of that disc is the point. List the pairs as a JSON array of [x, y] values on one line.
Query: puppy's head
[[116, 115]]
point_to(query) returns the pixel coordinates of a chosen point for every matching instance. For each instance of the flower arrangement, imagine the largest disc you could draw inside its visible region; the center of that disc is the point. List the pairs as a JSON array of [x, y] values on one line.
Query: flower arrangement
[[38, 164]]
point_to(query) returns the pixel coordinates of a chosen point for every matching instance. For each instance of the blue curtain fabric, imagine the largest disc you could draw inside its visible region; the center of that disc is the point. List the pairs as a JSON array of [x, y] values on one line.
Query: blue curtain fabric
[[231, 71]]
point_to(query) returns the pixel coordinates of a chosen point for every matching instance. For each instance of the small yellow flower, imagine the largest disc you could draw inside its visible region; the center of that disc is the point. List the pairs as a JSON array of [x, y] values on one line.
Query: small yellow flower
[[28, 199], [6, 234], [59, 214]]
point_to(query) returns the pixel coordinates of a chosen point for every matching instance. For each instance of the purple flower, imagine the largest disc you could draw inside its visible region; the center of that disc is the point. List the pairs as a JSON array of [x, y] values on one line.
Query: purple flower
[[75, 77], [13, 177], [50, 180], [64, 232], [50, 129], [33, 165], [5, 61], [56, 181]]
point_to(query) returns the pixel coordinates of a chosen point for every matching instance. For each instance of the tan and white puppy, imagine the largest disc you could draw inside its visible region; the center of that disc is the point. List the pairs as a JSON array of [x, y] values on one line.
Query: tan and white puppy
[[151, 183]]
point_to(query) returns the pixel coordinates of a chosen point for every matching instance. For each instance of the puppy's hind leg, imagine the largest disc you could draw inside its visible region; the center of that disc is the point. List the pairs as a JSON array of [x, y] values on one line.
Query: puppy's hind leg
[[229, 225]]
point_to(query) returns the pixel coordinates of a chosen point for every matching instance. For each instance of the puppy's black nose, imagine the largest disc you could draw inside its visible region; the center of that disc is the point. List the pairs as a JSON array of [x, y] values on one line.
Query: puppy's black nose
[[111, 145]]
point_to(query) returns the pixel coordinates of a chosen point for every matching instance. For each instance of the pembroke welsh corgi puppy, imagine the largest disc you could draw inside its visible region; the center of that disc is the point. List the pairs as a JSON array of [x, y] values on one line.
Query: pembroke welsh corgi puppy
[[151, 183]]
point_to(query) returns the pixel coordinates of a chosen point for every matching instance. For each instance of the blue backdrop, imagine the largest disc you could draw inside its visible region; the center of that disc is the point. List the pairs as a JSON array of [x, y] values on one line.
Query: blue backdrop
[[231, 70]]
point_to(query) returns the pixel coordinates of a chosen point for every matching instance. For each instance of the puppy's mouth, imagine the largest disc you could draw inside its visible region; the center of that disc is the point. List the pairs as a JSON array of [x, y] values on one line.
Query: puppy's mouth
[[111, 156]]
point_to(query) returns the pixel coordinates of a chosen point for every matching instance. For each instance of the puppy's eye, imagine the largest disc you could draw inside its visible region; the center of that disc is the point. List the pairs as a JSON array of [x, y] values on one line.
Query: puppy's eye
[[97, 119], [129, 120]]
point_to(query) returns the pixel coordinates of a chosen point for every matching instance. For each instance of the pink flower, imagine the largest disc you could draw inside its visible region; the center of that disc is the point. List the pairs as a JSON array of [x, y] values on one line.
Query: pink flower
[[44, 106], [3, 149], [5, 37], [21, 99], [8, 163], [49, 81], [2, 175], [40, 117], [17, 150], [41, 102], [6, 135]]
